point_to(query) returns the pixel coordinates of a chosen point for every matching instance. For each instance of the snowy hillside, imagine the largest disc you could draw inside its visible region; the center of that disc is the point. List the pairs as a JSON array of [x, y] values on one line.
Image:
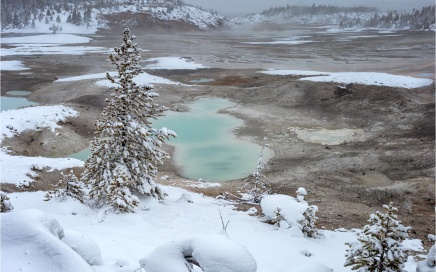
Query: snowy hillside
[[79, 16]]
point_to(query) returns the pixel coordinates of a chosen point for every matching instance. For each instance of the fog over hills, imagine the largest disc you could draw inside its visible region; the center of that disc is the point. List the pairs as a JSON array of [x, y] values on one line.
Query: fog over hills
[[232, 7]]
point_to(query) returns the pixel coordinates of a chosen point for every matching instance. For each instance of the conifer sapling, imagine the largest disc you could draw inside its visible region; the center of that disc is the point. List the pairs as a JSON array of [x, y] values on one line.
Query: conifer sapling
[[124, 137], [379, 246], [257, 185], [68, 186]]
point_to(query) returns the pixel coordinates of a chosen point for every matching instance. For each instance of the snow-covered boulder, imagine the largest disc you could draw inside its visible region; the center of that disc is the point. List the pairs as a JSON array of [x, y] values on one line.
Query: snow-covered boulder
[[31, 241], [213, 253], [84, 245], [308, 267]]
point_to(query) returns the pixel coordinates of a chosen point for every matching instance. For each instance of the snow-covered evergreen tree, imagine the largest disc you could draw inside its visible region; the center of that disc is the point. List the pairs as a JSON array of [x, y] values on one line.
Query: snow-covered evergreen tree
[[6, 205], [119, 195], [68, 186], [124, 136], [379, 246], [257, 185]]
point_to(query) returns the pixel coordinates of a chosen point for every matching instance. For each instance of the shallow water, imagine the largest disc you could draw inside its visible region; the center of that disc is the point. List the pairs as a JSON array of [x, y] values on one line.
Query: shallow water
[[205, 147], [19, 93], [328, 137], [11, 103]]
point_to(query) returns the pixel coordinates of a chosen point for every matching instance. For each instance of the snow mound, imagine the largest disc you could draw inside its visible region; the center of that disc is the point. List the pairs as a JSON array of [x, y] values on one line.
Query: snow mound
[[214, 253], [287, 212], [30, 241], [84, 245]]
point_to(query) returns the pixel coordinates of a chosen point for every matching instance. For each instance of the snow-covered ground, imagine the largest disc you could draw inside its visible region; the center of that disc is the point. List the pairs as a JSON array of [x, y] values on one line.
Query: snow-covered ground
[[126, 238], [367, 78], [48, 44], [142, 79], [12, 65], [19, 170]]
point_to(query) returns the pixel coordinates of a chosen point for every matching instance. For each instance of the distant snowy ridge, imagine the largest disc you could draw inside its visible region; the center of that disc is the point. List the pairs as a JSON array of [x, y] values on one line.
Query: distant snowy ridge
[[345, 17], [84, 17], [200, 18]]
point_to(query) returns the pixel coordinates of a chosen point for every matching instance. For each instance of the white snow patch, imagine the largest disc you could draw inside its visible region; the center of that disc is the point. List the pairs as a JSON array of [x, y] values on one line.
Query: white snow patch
[[141, 79], [379, 79], [85, 77], [33, 118], [293, 73], [25, 50], [19, 170], [172, 63], [12, 65], [47, 39], [368, 78]]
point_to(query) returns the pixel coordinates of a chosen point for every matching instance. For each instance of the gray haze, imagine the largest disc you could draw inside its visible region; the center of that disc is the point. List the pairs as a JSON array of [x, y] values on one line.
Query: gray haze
[[249, 6]]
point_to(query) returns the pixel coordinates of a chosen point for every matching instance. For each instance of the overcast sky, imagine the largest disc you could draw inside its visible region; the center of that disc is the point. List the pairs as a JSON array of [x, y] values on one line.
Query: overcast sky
[[248, 6]]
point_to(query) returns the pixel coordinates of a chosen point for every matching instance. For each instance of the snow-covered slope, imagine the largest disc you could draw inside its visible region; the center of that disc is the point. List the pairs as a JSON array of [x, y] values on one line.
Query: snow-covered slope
[[83, 18]]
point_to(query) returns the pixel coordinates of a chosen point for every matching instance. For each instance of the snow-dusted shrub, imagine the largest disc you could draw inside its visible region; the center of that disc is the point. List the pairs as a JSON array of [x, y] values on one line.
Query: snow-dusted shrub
[[84, 245], [257, 186], [308, 224], [213, 253], [6, 205], [288, 212], [68, 186], [31, 241], [379, 246], [125, 136]]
